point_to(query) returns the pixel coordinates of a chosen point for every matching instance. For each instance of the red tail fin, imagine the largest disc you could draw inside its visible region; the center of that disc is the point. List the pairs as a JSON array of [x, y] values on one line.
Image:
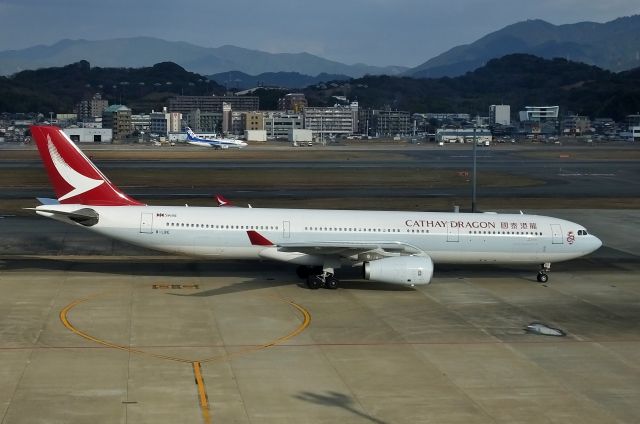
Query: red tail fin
[[74, 178]]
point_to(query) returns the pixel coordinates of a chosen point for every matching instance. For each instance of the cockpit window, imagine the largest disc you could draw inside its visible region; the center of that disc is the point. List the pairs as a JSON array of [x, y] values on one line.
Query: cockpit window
[[582, 232]]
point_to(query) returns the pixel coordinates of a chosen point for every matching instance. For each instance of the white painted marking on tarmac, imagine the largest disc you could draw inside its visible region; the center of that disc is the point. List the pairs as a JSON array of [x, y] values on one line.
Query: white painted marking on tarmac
[[586, 175]]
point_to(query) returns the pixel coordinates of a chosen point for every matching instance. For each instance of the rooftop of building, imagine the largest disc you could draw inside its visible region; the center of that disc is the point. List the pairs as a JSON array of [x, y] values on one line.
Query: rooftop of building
[[116, 108]]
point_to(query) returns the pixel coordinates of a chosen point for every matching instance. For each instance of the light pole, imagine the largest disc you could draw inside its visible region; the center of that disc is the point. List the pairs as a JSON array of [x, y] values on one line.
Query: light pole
[[473, 177]]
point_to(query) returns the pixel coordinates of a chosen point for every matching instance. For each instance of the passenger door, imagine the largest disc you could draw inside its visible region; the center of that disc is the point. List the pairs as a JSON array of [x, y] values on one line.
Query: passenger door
[[556, 234], [453, 234], [146, 223]]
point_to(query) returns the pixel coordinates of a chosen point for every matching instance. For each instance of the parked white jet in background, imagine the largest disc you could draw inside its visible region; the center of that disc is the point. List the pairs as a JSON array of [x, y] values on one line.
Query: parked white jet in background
[[216, 143], [391, 247]]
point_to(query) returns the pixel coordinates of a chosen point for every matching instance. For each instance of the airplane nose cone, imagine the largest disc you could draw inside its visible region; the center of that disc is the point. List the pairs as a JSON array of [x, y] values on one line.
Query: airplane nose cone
[[597, 243]]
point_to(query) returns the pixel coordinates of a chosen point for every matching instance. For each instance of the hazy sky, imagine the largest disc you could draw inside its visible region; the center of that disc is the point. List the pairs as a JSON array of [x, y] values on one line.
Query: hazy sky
[[376, 32]]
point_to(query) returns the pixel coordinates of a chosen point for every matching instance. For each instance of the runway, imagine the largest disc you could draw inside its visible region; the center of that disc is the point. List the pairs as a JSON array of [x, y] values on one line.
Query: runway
[[562, 176], [93, 330]]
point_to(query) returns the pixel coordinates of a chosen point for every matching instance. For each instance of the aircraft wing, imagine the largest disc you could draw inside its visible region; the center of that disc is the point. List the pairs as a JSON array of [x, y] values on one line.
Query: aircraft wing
[[348, 249]]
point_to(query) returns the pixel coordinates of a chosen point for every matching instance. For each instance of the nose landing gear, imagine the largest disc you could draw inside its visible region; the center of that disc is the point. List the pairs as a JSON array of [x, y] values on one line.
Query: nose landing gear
[[542, 274]]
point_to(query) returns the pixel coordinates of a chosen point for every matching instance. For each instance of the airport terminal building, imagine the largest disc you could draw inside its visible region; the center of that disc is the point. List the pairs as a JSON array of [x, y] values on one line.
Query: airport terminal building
[[89, 135], [186, 104]]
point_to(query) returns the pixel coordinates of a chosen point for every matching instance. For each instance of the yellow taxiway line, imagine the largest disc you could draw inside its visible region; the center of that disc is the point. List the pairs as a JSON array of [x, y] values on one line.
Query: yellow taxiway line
[[202, 393], [196, 364]]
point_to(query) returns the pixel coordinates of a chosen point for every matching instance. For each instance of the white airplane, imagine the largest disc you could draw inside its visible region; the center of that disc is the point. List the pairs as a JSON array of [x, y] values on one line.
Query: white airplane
[[390, 247], [216, 143]]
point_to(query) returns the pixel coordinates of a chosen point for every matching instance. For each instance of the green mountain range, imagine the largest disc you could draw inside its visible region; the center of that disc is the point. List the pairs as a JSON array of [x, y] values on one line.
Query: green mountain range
[[59, 89], [240, 80], [518, 80], [613, 45]]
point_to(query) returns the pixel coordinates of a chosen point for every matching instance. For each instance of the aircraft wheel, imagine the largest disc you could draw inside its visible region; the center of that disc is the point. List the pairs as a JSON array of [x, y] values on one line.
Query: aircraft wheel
[[542, 277], [314, 282], [331, 282]]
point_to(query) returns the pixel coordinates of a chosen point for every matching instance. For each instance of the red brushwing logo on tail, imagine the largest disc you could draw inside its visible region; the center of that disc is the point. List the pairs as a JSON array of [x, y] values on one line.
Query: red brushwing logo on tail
[[79, 182], [74, 178]]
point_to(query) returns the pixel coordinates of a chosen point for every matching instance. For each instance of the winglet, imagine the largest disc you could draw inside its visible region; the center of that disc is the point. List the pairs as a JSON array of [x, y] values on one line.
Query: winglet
[[222, 201], [258, 239]]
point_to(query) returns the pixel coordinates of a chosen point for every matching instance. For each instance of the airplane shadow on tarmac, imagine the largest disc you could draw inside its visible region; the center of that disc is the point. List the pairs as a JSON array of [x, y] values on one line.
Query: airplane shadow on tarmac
[[338, 400], [257, 284], [260, 275], [254, 275]]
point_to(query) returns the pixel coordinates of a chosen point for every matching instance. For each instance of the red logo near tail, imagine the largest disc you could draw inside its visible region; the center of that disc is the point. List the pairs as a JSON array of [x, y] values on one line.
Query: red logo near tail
[[74, 178]]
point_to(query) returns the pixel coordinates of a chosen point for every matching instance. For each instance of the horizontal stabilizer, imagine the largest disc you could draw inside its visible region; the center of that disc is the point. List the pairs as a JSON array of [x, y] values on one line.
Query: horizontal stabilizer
[[47, 201], [85, 216]]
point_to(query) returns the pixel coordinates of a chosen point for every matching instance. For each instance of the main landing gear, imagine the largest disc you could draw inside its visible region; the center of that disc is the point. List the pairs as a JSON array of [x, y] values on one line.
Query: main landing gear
[[318, 277], [542, 274]]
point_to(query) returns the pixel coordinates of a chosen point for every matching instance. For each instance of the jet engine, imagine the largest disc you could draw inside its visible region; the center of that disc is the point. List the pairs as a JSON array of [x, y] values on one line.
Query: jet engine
[[409, 270]]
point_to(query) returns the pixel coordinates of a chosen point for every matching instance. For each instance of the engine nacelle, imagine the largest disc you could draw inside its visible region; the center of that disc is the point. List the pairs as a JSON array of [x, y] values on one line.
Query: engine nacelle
[[409, 270]]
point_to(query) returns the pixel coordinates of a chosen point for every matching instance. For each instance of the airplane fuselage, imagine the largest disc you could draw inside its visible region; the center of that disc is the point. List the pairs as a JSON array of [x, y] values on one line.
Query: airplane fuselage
[[445, 237], [218, 144]]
